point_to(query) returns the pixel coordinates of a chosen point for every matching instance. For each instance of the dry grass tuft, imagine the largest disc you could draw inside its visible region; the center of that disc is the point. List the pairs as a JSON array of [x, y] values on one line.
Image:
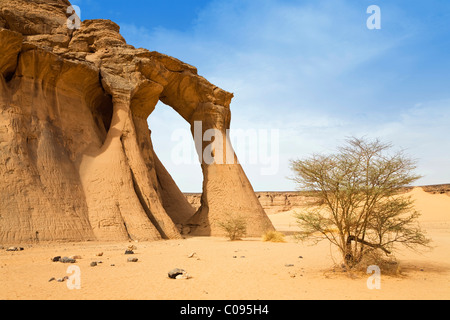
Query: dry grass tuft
[[273, 236], [235, 227]]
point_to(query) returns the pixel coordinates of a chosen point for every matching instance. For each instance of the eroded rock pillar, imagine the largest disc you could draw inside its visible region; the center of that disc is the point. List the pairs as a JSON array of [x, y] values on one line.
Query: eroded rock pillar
[[227, 191]]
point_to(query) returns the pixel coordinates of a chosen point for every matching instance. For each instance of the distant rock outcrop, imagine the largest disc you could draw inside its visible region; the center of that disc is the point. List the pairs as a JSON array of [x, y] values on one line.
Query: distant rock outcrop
[[272, 202], [76, 155], [278, 201]]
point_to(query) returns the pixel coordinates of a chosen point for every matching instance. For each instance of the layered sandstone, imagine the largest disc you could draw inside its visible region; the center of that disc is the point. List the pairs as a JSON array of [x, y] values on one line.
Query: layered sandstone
[[76, 155], [272, 202]]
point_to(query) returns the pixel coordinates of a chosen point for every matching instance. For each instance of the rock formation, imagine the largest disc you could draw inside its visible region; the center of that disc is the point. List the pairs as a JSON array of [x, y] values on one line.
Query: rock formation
[[272, 202], [76, 155]]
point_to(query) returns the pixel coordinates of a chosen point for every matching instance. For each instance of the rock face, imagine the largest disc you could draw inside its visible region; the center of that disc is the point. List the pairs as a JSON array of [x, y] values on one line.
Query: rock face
[[272, 202], [276, 202], [76, 155]]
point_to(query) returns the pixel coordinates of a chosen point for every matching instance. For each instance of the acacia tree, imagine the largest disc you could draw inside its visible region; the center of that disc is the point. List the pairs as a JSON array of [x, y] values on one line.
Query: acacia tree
[[360, 206]]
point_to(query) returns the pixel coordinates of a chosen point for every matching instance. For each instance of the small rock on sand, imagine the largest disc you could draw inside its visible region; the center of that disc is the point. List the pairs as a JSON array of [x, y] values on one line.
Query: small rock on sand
[[15, 249], [93, 264], [183, 276], [132, 260], [175, 272], [129, 252], [67, 260], [62, 279]]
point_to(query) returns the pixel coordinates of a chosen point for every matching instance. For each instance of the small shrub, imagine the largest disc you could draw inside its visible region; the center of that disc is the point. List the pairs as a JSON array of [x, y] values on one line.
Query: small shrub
[[235, 227], [273, 236]]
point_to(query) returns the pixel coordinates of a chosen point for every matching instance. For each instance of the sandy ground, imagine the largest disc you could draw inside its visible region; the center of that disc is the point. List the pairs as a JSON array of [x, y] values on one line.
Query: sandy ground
[[223, 270]]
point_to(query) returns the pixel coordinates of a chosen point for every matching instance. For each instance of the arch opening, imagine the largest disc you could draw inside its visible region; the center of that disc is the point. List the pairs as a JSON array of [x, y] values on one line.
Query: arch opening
[[175, 147]]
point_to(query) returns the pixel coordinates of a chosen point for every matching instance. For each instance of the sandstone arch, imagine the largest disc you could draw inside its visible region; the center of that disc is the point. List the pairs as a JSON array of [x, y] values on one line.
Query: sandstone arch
[[76, 155]]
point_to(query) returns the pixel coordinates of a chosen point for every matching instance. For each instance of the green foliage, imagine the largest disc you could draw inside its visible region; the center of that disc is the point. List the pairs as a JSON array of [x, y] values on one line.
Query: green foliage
[[235, 227], [359, 204]]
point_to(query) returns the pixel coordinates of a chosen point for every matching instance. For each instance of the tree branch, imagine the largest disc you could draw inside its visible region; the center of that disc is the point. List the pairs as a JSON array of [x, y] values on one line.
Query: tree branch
[[372, 245]]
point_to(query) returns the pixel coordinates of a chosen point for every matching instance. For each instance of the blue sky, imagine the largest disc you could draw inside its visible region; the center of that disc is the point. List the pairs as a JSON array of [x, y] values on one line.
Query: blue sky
[[310, 69]]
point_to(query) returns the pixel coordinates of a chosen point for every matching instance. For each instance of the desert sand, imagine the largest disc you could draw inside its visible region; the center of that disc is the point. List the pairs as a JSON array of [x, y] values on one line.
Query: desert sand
[[223, 270]]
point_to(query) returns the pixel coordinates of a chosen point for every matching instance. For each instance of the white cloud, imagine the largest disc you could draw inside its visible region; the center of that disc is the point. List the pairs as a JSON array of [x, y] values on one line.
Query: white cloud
[[304, 69]]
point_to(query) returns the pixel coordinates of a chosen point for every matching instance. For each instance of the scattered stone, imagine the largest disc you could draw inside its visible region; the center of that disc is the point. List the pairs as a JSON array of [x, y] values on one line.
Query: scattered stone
[[300, 257], [288, 265], [56, 259], [62, 279], [75, 257], [51, 279], [67, 260], [132, 247], [234, 257], [99, 254], [93, 264], [129, 252], [192, 255], [15, 249], [242, 257], [113, 265], [132, 260], [183, 276], [175, 272]]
